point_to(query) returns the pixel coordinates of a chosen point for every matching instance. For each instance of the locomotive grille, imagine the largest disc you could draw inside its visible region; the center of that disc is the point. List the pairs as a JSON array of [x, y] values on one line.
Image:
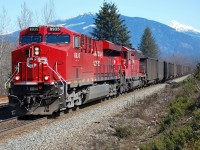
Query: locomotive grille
[[31, 74]]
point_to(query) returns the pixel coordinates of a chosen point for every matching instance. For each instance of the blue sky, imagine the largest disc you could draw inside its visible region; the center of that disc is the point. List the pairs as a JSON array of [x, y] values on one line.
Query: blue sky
[[184, 11]]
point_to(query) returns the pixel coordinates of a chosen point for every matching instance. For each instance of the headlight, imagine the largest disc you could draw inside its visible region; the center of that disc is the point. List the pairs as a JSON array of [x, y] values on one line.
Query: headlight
[[37, 51], [17, 78], [46, 78]]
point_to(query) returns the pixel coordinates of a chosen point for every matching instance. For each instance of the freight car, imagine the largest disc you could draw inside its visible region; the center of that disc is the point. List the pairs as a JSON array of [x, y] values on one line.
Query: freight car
[[54, 68], [154, 70], [160, 71]]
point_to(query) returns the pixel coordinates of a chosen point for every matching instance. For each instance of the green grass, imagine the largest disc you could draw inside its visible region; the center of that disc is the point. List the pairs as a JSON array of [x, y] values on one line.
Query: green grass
[[177, 138], [180, 129]]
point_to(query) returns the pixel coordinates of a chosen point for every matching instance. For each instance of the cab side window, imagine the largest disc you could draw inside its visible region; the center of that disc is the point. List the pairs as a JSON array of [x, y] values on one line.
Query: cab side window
[[76, 42]]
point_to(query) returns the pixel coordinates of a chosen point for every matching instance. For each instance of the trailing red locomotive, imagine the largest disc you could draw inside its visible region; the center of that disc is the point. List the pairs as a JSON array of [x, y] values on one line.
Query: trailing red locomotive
[[56, 69]]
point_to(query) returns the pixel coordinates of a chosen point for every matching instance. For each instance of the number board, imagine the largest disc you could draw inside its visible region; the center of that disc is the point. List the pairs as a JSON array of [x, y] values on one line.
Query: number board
[[33, 29], [54, 29]]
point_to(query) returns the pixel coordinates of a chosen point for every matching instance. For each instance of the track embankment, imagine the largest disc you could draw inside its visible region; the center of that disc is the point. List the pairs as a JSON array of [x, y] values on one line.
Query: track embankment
[[3, 102], [65, 131]]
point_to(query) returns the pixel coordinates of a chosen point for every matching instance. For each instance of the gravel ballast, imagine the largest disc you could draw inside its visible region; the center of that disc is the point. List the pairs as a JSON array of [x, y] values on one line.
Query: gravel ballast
[[61, 133]]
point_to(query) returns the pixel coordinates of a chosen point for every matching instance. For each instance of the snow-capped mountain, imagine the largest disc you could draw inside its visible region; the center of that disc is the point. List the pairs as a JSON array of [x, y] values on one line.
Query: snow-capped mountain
[[181, 27], [170, 41], [5, 32], [83, 23], [185, 29]]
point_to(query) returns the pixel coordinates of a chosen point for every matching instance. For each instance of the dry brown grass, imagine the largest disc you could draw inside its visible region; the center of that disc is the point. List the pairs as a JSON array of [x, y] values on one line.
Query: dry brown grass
[[138, 122]]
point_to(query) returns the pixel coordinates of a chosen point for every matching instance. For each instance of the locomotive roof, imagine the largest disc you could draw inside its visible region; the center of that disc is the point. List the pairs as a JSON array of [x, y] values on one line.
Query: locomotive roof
[[111, 46], [43, 28]]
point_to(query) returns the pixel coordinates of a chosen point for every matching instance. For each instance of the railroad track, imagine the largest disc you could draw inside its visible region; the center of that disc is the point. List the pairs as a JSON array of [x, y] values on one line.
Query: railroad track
[[9, 119], [3, 102], [12, 124]]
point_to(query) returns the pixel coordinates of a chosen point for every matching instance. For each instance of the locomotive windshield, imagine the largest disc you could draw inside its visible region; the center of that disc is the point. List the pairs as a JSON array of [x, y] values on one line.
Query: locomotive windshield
[[57, 38], [26, 39]]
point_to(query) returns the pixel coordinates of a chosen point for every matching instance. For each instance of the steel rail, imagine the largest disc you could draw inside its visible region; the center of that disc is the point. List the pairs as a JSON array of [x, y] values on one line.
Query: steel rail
[[20, 126]]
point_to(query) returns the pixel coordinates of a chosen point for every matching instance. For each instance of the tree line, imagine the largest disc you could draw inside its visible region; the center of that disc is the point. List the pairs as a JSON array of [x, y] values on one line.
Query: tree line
[[5, 49], [27, 18], [110, 26]]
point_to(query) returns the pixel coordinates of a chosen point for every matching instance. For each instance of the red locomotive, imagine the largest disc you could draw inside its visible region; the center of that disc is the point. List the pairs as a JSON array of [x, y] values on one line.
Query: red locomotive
[[55, 69]]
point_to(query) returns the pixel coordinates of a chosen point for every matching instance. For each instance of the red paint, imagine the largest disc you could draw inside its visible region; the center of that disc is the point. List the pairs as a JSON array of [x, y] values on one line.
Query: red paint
[[90, 62]]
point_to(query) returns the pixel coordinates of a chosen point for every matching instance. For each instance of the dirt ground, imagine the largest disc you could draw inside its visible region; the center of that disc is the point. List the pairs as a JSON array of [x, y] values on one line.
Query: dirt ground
[[136, 124]]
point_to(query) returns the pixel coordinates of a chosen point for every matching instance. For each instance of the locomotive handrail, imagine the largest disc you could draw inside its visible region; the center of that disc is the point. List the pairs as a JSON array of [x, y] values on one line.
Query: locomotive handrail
[[59, 76], [11, 78]]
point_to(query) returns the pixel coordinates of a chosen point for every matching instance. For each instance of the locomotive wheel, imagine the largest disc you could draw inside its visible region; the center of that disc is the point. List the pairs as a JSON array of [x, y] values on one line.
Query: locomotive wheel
[[102, 100], [68, 110], [76, 108], [55, 114]]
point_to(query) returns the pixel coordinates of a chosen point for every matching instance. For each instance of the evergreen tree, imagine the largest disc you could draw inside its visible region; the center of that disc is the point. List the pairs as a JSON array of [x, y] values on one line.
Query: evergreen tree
[[197, 71], [109, 26], [148, 45]]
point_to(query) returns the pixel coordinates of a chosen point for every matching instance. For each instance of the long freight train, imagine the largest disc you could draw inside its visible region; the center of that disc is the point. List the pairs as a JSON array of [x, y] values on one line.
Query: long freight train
[[56, 69]]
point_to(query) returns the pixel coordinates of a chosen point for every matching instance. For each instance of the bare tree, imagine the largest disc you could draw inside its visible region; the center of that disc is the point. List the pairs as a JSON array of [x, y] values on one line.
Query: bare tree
[[25, 19], [37, 19], [2, 31], [48, 12], [4, 23], [5, 49], [182, 59]]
